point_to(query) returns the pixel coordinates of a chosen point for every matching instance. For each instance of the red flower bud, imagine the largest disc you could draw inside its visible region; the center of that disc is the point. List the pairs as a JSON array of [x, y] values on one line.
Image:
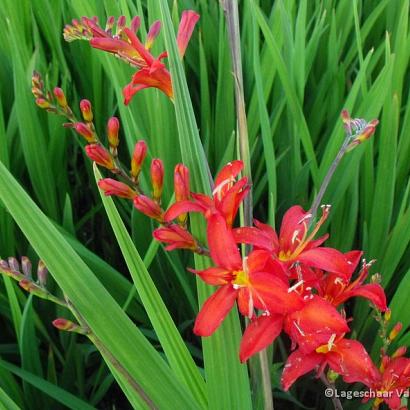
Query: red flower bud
[[43, 103], [148, 207], [86, 110], [68, 326], [113, 187], [157, 178], [100, 155], [60, 97], [181, 188], [175, 237], [113, 127], [85, 131], [181, 182], [395, 331], [140, 152]]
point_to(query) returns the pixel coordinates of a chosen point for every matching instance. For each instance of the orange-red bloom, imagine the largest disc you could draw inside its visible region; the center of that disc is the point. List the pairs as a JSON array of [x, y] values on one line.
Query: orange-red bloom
[[338, 288], [226, 196], [257, 281], [295, 244], [127, 46]]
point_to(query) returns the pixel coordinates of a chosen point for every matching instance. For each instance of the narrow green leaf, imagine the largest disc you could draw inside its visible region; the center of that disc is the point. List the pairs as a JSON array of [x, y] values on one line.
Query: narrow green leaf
[[174, 347]]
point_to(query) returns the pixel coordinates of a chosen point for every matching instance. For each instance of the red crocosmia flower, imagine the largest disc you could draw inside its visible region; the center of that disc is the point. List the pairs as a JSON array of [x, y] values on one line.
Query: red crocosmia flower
[[176, 237], [127, 46], [295, 243], [337, 288], [253, 281], [314, 324], [395, 380], [113, 187], [226, 197], [346, 357]]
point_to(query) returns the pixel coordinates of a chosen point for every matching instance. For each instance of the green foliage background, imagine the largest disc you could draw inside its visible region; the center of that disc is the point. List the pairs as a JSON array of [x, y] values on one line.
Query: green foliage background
[[303, 62]]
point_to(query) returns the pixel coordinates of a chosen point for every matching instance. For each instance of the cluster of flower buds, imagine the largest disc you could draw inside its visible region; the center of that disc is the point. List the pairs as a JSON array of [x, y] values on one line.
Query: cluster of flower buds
[[55, 102], [22, 273], [359, 129]]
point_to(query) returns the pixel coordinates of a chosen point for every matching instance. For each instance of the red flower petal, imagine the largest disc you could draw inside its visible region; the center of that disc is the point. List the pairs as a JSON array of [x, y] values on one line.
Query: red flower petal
[[327, 259], [297, 365], [181, 207], [350, 359], [253, 236], [214, 310], [262, 261], [229, 172], [313, 325], [214, 276], [372, 291], [260, 333], [270, 293], [293, 222], [222, 246]]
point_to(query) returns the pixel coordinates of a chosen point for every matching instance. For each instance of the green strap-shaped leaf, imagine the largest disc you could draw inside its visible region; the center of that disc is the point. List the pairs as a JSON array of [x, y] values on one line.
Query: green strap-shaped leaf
[[104, 316], [174, 347], [227, 379]]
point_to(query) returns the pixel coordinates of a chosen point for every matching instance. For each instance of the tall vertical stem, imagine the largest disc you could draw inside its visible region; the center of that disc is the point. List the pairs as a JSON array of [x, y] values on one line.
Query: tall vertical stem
[[231, 12]]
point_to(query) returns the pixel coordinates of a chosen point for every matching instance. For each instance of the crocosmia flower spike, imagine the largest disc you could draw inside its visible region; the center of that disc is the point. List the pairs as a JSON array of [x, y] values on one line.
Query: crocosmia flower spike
[[125, 44]]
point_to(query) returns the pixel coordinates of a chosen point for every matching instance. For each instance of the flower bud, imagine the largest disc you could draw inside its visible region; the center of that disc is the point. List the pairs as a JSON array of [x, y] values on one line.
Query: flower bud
[[401, 351], [69, 326], [181, 182], [42, 273], [29, 286], [112, 187], [140, 152], [113, 127], [109, 24], [148, 207], [120, 24], [26, 266], [85, 131], [157, 178], [100, 155], [395, 331], [43, 103], [60, 97], [152, 34], [13, 263], [387, 315], [181, 188], [175, 237], [86, 110], [135, 24]]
